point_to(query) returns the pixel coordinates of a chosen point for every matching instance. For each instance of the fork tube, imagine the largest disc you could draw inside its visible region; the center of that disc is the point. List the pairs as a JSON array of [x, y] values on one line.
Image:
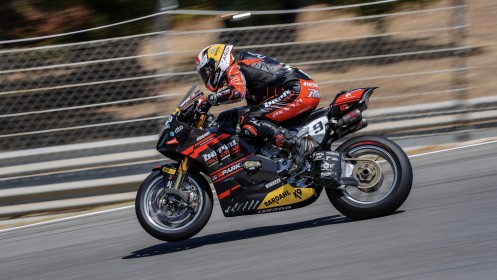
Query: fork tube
[[183, 166]]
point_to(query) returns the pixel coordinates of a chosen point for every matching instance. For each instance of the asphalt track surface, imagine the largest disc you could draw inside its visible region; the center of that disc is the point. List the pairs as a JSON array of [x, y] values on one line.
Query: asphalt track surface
[[447, 229]]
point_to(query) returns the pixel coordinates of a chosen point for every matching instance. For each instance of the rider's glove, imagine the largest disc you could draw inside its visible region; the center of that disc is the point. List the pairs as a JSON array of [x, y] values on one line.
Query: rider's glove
[[205, 103]]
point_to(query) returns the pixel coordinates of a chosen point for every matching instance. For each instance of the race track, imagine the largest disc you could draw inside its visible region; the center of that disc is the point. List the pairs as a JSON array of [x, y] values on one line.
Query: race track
[[447, 229]]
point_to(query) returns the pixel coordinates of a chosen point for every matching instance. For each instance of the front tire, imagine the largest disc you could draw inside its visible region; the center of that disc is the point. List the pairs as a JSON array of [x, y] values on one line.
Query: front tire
[[166, 216], [383, 185]]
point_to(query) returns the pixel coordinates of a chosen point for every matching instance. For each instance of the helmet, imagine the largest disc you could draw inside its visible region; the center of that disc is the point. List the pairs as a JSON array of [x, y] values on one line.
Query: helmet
[[212, 63]]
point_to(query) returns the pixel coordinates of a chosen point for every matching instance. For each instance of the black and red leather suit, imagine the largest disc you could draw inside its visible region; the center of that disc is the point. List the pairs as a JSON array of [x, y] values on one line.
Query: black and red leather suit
[[277, 92]]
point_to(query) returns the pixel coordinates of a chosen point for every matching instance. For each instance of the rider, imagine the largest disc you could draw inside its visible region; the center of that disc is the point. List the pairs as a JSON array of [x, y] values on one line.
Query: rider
[[276, 91]]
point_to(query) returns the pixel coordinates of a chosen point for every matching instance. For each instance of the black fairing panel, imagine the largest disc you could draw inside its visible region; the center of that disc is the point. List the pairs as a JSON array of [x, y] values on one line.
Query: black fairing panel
[[304, 118], [228, 120], [268, 173]]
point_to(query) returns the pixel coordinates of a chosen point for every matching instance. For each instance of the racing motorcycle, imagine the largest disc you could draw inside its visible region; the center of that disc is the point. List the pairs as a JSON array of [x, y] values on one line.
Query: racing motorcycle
[[364, 177]]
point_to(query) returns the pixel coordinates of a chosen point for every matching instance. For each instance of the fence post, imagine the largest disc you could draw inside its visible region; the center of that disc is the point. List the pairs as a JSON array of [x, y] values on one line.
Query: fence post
[[459, 76]]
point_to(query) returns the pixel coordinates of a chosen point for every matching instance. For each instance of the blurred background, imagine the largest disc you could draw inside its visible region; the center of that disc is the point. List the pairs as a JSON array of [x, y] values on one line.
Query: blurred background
[[85, 84]]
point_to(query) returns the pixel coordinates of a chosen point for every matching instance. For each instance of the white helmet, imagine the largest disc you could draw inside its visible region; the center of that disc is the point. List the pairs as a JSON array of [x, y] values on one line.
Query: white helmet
[[212, 63]]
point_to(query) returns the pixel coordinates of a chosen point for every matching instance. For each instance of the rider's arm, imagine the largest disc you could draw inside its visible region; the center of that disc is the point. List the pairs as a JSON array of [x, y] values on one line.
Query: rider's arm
[[234, 92]]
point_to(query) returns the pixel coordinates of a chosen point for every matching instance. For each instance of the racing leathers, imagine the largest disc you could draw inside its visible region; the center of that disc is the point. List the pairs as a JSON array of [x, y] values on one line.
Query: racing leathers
[[277, 92]]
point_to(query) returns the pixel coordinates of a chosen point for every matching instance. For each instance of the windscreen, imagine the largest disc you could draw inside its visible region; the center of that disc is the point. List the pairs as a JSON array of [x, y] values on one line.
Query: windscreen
[[194, 93]]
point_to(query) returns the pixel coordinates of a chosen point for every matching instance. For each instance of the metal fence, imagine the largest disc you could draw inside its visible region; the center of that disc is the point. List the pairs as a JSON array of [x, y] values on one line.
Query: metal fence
[[124, 87]]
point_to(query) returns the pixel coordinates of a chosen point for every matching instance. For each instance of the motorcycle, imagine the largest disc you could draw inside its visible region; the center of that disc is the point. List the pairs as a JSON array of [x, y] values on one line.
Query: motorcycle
[[364, 177]]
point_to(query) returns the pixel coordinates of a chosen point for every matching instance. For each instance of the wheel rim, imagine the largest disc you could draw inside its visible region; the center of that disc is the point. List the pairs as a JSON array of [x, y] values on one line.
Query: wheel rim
[[166, 211], [377, 177]]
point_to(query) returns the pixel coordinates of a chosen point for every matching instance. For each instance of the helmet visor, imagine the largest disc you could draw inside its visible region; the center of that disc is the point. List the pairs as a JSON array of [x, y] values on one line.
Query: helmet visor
[[206, 73]]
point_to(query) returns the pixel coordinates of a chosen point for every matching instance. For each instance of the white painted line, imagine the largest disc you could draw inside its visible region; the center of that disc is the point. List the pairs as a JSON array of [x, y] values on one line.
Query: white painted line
[[71, 218], [68, 218], [454, 149], [132, 206]]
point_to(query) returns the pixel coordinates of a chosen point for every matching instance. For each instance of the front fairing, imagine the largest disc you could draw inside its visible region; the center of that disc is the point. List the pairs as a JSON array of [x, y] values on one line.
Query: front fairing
[[180, 123], [173, 133]]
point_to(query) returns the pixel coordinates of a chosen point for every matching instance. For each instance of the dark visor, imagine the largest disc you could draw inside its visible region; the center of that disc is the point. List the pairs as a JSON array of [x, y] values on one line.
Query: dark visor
[[207, 71]]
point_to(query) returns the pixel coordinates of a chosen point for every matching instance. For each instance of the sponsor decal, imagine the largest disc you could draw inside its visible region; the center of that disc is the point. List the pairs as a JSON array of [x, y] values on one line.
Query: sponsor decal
[[178, 129], [344, 107], [209, 155], [273, 183], [285, 109], [203, 136], [210, 158], [314, 93], [215, 52], [223, 152], [231, 169], [276, 199], [225, 58], [167, 124], [297, 193], [286, 195], [277, 113], [226, 150], [277, 99], [227, 171], [235, 149], [274, 209], [311, 84]]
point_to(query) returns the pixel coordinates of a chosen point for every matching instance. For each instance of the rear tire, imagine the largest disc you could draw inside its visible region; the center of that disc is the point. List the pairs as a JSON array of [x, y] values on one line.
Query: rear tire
[[162, 218], [352, 201]]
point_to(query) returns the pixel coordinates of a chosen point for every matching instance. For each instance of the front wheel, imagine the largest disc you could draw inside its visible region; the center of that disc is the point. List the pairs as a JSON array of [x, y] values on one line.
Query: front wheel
[[384, 174], [169, 217]]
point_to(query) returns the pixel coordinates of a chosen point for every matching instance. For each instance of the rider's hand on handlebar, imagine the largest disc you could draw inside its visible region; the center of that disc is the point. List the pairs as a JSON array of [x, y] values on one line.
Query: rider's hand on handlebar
[[205, 103], [202, 105]]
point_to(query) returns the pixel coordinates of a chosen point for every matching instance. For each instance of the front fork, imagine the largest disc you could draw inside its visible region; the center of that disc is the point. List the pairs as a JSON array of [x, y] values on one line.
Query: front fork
[[185, 162]]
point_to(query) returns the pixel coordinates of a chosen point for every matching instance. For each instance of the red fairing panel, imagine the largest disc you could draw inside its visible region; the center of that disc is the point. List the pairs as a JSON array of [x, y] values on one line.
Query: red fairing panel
[[350, 96]]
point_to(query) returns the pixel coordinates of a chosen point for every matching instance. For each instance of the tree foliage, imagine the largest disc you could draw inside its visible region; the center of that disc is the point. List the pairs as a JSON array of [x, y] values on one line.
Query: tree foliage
[[31, 18]]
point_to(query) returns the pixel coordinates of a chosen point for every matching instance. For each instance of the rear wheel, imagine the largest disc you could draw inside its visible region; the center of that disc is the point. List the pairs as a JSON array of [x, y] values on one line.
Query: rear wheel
[[167, 216], [384, 174]]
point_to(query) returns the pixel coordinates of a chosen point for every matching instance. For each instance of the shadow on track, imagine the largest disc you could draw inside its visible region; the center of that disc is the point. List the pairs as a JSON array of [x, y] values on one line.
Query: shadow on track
[[167, 248]]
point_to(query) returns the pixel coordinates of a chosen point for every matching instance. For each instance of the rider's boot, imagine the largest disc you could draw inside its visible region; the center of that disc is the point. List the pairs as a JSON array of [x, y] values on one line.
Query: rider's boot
[[300, 148]]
